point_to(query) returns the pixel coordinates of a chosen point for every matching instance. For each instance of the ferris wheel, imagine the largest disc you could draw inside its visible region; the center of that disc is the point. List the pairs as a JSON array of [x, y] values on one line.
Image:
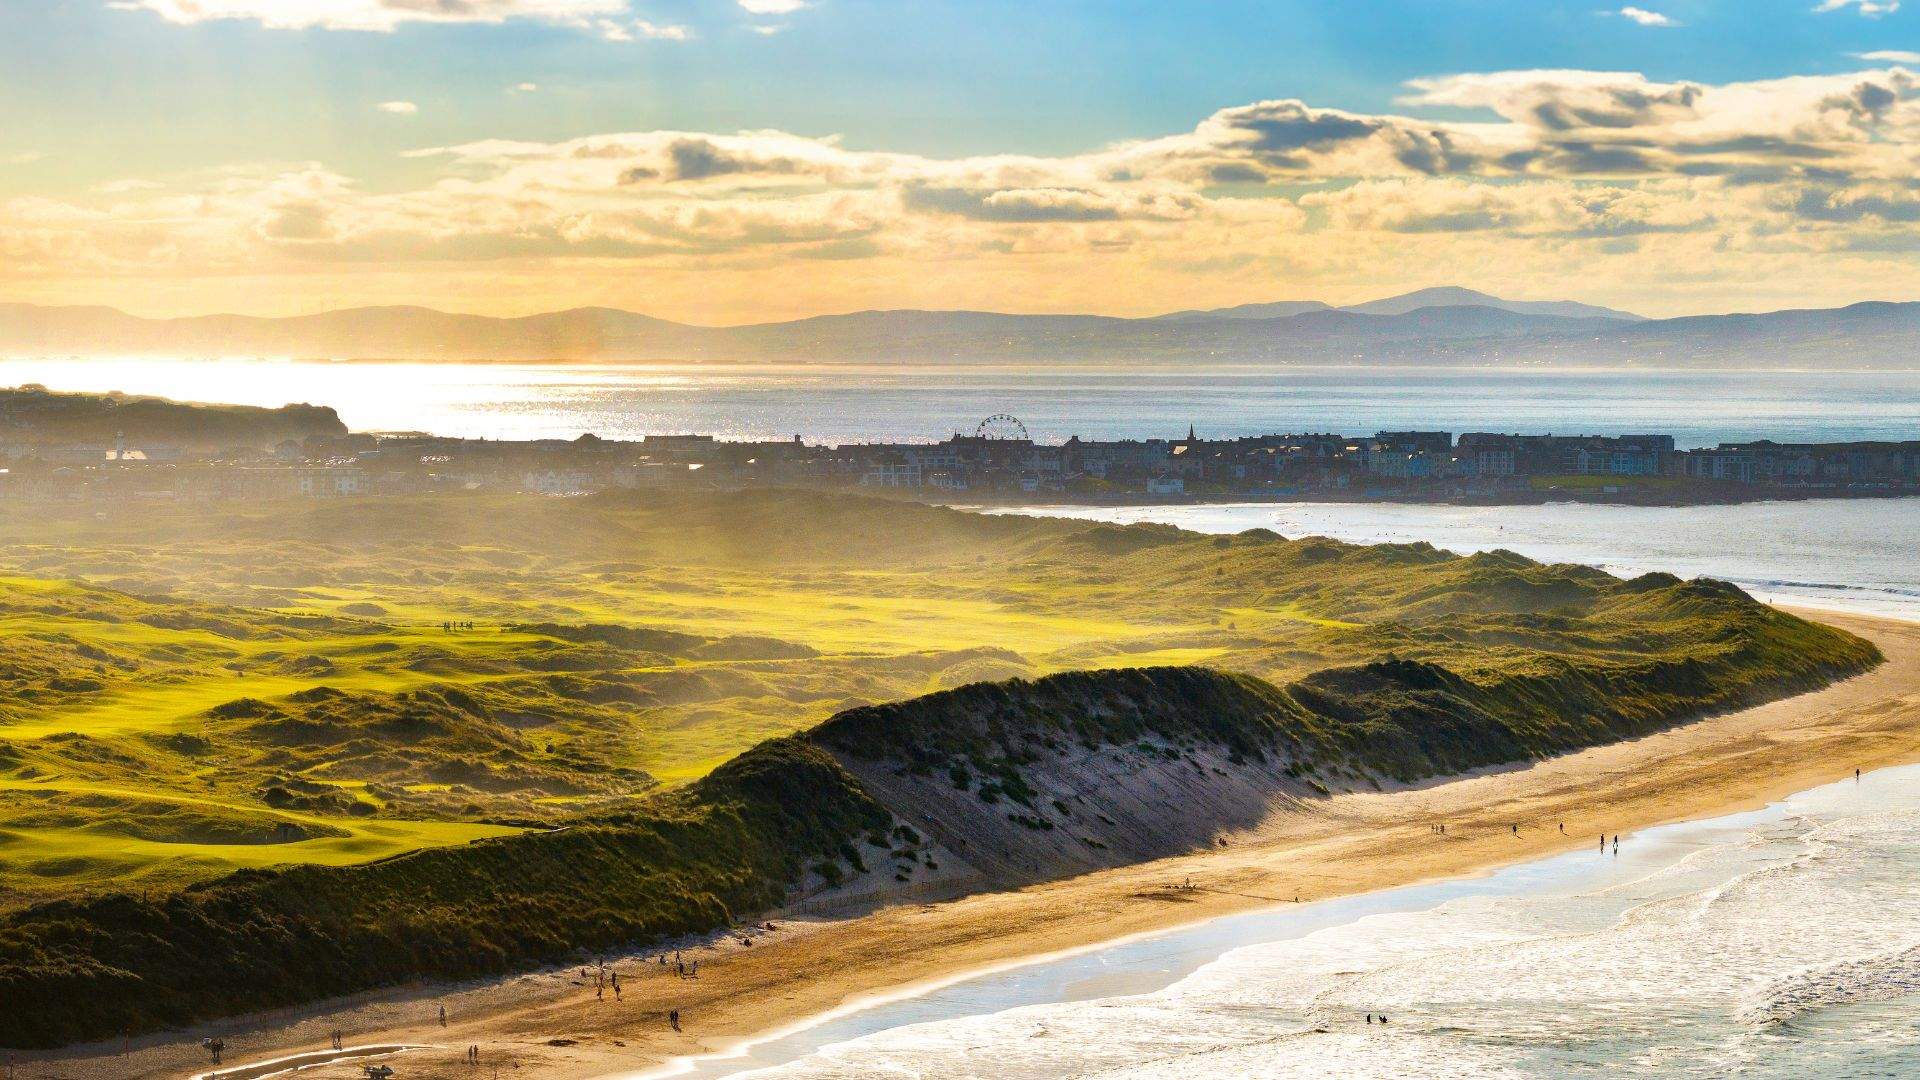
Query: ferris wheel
[[1001, 426]]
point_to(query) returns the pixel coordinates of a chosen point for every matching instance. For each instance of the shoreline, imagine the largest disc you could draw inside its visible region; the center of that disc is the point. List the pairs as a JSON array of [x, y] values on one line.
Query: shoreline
[[1676, 499], [550, 1024]]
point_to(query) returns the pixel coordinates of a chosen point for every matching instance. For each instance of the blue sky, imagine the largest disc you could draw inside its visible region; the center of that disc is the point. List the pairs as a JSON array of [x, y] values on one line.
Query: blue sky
[[292, 137], [94, 88]]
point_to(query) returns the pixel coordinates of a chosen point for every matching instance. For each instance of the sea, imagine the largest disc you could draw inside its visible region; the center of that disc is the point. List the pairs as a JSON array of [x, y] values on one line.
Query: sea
[[1860, 555], [1779, 943], [849, 403]]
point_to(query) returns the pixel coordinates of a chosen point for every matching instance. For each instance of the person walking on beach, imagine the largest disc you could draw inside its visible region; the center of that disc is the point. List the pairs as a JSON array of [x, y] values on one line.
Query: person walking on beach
[[443, 1016], [673, 1019]]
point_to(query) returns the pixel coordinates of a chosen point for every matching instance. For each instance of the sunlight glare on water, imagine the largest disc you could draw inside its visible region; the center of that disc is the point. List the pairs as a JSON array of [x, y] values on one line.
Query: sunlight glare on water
[[844, 403]]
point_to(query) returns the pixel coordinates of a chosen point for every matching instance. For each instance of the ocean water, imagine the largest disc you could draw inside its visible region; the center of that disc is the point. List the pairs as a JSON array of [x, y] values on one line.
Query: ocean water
[[839, 403], [1781, 943], [1846, 554]]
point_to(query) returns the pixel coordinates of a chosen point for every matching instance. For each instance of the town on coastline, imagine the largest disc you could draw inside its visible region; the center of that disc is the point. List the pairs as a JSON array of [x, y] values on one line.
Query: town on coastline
[[997, 462]]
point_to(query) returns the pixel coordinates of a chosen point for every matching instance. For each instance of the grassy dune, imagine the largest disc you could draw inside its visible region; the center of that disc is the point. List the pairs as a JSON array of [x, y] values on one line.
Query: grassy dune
[[186, 695], [271, 665]]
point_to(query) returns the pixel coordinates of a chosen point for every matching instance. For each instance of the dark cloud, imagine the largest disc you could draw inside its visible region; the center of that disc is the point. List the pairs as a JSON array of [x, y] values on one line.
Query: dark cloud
[[1577, 158], [1280, 130], [1846, 206], [1615, 107], [703, 159], [1042, 205]]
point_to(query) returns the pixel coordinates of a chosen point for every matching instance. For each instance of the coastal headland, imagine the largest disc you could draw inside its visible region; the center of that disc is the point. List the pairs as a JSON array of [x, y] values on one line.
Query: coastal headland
[[554, 1024]]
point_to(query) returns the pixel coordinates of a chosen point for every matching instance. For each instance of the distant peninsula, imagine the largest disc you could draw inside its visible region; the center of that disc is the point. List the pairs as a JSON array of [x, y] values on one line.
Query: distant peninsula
[[1447, 325]]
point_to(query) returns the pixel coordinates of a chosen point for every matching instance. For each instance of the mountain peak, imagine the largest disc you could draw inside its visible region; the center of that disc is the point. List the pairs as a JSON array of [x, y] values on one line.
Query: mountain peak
[[1457, 296]]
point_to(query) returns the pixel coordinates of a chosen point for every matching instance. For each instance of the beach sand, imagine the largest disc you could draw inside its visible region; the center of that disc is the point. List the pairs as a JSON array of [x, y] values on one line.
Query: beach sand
[[552, 1024]]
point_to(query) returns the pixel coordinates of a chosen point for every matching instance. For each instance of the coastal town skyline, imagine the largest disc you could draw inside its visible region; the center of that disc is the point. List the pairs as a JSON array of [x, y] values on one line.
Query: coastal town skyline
[[771, 159]]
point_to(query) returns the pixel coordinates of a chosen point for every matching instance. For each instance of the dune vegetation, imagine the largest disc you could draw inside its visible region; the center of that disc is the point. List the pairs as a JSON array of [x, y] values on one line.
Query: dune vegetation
[[476, 732]]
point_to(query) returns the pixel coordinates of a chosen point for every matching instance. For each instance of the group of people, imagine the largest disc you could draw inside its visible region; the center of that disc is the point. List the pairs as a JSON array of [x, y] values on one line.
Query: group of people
[[1514, 828], [686, 970], [602, 979], [452, 626]]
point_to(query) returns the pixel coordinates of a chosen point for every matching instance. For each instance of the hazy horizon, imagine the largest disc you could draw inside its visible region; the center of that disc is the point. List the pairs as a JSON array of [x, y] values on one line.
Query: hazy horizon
[[1343, 305]]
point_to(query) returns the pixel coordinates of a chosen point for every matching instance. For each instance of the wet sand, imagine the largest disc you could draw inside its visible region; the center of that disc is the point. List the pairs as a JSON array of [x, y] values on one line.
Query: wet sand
[[553, 1025]]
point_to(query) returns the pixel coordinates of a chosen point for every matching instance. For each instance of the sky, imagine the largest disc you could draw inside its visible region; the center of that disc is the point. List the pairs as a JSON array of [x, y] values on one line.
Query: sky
[[730, 161]]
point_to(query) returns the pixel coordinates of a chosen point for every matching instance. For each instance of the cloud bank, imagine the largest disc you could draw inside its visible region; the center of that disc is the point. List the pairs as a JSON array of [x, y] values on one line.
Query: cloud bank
[[1662, 193]]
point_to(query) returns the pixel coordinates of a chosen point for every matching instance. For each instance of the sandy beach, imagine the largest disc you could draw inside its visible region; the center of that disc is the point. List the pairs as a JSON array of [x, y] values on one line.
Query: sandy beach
[[555, 1024]]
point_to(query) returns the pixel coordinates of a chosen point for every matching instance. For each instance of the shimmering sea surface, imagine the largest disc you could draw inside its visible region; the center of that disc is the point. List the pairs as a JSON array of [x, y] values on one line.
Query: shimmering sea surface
[[872, 402]]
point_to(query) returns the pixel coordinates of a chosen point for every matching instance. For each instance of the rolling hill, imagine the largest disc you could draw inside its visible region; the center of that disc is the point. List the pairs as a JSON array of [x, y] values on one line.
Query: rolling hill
[[249, 758], [1443, 325]]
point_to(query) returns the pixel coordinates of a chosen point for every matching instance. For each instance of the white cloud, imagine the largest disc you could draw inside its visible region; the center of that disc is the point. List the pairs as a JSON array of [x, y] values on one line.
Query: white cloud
[[774, 7], [398, 108], [371, 15], [1739, 180], [640, 30], [768, 29], [1647, 18], [1891, 56], [26, 157], [1872, 9], [524, 88]]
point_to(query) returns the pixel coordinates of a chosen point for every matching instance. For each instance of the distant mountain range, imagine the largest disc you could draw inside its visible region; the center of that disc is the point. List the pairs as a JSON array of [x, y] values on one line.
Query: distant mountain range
[[1443, 325]]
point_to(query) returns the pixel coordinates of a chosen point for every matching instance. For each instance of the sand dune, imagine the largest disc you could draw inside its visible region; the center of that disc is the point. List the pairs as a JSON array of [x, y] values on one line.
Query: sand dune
[[553, 1025]]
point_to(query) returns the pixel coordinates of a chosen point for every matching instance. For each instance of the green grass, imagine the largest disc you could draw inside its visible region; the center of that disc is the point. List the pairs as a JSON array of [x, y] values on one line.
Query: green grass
[[789, 811], [288, 662], [688, 860]]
